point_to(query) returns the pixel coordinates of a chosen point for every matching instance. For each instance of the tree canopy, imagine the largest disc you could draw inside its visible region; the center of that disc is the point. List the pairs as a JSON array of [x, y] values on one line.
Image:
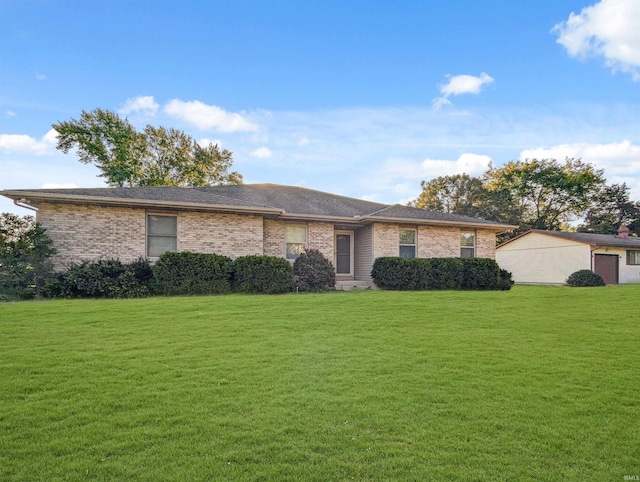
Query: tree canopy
[[611, 209], [24, 253], [538, 194], [157, 156]]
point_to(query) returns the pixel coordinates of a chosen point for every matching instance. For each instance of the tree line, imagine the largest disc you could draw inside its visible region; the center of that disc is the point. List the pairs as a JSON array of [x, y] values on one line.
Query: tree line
[[536, 194]]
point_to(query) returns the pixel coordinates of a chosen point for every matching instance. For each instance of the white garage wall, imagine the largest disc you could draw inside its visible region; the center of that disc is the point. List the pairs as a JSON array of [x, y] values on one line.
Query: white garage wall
[[540, 259]]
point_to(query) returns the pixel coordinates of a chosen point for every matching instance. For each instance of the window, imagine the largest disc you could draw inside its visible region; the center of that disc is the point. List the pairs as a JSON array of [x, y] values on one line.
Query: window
[[407, 243], [296, 240], [633, 257], [468, 244], [162, 234]]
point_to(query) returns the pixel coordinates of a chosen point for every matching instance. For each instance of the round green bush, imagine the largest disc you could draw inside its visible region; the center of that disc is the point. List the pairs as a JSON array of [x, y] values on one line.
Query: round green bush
[[313, 272], [585, 277]]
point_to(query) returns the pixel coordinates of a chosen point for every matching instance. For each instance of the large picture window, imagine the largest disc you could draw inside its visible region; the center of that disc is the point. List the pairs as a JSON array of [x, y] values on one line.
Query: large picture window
[[468, 244], [633, 257], [162, 234], [407, 243], [296, 240]]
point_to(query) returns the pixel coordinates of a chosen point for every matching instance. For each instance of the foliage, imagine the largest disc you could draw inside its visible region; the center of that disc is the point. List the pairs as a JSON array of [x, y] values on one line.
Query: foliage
[[312, 271], [540, 384], [25, 249], [395, 273], [533, 194], [611, 209], [104, 278], [545, 194], [186, 273], [480, 274], [506, 280], [458, 194], [262, 274], [155, 157], [585, 277]]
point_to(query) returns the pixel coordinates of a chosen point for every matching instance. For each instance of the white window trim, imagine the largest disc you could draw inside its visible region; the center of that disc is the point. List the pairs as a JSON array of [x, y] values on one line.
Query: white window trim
[[286, 242], [146, 229], [415, 244], [475, 241]]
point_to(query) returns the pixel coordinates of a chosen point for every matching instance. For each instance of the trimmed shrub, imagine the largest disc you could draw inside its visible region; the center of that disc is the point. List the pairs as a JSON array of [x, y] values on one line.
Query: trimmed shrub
[[506, 280], [105, 278], [395, 273], [585, 277], [391, 273], [262, 274], [187, 273], [313, 272], [480, 274]]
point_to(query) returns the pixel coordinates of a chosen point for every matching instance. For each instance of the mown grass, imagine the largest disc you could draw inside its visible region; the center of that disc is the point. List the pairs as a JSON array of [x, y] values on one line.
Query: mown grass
[[539, 383]]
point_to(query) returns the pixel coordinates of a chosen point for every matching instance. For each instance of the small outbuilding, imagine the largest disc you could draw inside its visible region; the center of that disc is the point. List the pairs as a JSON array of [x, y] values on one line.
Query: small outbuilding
[[549, 257]]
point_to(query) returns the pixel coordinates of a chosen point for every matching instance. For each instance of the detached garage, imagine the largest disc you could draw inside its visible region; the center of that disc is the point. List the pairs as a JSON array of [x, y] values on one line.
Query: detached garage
[[549, 257]]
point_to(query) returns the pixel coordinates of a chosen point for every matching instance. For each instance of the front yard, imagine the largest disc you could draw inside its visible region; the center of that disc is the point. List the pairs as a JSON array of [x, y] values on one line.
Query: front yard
[[538, 383]]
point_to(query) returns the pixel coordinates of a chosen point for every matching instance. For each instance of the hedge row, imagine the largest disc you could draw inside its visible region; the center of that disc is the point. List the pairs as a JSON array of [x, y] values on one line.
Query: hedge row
[[395, 273], [192, 273]]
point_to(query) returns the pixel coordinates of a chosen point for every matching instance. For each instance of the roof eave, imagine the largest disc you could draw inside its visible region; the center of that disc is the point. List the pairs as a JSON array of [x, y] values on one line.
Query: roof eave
[[33, 196], [439, 222]]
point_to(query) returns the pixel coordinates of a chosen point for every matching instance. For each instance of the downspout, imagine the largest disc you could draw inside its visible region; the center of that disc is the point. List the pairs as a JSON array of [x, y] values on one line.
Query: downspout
[[591, 256], [22, 204]]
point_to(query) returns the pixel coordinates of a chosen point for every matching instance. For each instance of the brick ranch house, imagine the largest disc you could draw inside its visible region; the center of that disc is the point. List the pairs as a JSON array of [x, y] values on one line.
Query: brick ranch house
[[249, 219]]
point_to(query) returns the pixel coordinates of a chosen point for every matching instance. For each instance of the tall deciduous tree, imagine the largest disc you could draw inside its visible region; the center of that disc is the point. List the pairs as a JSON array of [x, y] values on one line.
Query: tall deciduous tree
[[155, 157], [458, 194], [24, 256], [545, 194], [611, 209]]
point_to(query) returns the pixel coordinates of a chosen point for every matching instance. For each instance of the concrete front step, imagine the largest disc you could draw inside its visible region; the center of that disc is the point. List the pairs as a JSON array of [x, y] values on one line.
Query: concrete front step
[[350, 285]]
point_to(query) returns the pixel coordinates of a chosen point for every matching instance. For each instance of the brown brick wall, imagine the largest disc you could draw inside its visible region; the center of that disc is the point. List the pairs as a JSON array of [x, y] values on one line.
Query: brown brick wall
[[231, 235], [432, 241], [385, 240], [274, 238], [92, 232], [438, 242], [320, 236], [485, 244]]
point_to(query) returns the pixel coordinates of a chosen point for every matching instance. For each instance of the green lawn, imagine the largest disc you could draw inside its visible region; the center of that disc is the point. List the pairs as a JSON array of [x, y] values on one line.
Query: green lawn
[[538, 383]]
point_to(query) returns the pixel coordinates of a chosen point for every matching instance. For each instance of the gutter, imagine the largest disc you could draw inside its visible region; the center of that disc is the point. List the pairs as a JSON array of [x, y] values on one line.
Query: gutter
[[22, 203], [132, 202], [438, 222]]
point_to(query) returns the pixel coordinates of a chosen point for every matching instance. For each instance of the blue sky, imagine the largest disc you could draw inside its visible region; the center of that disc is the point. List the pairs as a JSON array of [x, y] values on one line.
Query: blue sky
[[360, 98]]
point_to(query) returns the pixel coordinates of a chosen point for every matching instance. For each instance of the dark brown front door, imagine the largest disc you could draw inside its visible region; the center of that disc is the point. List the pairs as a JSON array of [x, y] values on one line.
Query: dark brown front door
[[606, 265]]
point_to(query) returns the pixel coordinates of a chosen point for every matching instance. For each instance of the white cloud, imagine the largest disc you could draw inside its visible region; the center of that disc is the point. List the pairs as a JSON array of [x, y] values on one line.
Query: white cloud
[[145, 104], [10, 113], [28, 144], [461, 84], [261, 153], [206, 117], [40, 77], [617, 159], [207, 142], [609, 28], [469, 163]]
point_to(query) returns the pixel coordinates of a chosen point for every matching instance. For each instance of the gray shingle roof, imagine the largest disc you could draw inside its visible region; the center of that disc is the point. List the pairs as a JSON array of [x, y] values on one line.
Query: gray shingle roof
[[281, 200], [610, 240]]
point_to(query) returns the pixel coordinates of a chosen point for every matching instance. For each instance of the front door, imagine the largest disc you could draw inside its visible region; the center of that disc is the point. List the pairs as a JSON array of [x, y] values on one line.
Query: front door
[[606, 265], [344, 253]]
